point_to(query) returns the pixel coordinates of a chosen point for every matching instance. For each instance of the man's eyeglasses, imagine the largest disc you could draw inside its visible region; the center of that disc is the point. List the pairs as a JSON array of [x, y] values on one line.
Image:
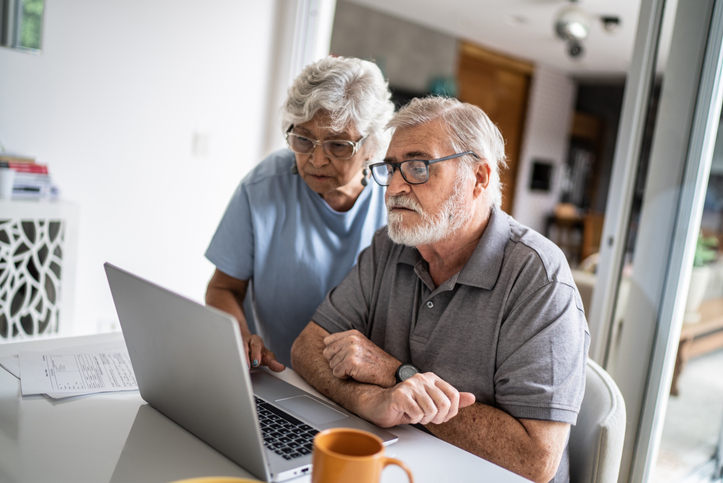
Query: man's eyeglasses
[[336, 148], [414, 171]]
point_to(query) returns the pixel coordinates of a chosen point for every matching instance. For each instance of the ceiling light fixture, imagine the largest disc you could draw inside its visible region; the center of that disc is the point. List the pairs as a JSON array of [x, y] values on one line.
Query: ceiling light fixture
[[572, 25]]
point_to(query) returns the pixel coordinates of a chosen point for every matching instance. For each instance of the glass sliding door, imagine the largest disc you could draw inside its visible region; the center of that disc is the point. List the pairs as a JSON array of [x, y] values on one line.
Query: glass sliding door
[[691, 431], [649, 240]]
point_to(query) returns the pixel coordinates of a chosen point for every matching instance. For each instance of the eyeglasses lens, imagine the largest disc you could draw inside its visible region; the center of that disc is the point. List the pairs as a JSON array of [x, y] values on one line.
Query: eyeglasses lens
[[300, 144], [415, 172], [336, 149], [382, 173]]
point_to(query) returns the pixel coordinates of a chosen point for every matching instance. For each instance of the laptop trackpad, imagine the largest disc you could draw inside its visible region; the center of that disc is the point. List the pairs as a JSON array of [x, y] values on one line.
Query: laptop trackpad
[[310, 409]]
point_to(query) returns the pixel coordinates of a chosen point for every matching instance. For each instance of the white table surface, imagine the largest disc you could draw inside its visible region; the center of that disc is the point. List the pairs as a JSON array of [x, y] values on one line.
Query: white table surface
[[118, 438]]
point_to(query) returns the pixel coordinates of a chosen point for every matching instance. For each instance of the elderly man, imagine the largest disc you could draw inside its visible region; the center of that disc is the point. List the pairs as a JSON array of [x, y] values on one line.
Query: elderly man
[[456, 317]]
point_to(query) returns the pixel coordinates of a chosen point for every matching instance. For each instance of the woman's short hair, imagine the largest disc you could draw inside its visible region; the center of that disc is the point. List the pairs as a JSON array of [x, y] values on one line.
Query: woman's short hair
[[468, 128], [351, 91]]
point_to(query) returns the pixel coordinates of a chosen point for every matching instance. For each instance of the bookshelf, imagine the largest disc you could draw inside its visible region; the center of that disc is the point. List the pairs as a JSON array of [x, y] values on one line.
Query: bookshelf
[[38, 241]]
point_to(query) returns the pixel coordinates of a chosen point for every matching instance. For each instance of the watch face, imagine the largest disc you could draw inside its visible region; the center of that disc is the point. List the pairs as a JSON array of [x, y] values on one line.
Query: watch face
[[406, 371]]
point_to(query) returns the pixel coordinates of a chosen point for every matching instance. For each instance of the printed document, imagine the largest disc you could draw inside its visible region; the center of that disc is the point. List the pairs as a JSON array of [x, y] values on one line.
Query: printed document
[[84, 370]]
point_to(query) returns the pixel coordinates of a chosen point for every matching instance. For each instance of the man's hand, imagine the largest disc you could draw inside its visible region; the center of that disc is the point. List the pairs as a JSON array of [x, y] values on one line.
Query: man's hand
[[258, 355], [352, 355], [423, 398]]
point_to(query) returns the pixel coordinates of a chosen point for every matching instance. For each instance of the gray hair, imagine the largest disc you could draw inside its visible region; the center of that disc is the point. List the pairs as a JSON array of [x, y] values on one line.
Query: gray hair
[[468, 129], [352, 91]]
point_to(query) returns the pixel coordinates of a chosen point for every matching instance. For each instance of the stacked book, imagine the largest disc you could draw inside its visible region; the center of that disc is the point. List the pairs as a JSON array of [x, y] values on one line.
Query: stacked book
[[32, 180]]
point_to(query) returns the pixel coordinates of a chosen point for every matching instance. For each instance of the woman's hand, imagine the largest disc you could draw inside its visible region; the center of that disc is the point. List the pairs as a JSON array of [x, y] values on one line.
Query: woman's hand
[[258, 355], [227, 293]]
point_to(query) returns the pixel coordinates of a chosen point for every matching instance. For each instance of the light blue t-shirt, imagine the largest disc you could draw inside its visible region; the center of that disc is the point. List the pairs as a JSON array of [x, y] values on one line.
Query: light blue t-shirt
[[284, 237]]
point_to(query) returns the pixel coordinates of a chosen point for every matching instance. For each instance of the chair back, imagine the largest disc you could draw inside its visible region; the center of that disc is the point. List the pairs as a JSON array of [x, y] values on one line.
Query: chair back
[[596, 441]]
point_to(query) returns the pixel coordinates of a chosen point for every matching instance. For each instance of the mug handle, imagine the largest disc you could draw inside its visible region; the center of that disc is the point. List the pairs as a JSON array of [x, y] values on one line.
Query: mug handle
[[394, 461]]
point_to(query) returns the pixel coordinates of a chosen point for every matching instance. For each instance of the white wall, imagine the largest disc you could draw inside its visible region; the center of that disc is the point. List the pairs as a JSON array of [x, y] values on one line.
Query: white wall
[[113, 105], [547, 126], [302, 36]]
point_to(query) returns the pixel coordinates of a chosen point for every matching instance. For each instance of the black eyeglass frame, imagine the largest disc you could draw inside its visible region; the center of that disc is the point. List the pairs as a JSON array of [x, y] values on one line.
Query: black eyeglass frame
[[427, 162], [354, 144]]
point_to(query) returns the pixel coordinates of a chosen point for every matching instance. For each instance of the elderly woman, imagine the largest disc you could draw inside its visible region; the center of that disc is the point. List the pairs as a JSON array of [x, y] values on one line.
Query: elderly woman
[[297, 222]]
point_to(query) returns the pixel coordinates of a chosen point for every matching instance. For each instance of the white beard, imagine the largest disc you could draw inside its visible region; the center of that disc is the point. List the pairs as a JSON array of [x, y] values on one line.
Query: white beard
[[433, 228]]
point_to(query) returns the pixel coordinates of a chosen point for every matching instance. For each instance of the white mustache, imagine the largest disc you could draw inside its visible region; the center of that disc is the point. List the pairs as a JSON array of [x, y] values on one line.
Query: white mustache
[[404, 202]]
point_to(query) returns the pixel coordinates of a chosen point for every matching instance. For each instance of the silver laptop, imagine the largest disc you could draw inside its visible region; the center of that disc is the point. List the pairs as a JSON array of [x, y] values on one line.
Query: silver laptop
[[190, 365]]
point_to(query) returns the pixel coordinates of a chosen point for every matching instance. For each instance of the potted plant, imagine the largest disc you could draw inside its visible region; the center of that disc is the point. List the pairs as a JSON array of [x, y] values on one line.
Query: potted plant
[[706, 251]]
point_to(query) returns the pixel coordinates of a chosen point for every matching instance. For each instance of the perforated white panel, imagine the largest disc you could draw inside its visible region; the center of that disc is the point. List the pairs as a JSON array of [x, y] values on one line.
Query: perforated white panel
[[31, 259]]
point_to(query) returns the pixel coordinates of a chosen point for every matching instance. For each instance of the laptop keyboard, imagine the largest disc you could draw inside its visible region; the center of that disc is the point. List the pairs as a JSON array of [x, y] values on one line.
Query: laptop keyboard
[[284, 434]]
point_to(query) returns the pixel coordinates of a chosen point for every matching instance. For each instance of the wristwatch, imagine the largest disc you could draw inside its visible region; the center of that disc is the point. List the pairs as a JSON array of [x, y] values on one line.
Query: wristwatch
[[405, 371]]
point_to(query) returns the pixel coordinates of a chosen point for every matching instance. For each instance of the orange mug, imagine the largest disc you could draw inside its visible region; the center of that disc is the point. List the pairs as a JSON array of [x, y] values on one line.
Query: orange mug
[[350, 456]]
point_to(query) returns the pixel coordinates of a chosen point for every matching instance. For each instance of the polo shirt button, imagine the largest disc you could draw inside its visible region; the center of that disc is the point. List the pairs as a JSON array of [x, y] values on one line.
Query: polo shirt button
[[430, 304]]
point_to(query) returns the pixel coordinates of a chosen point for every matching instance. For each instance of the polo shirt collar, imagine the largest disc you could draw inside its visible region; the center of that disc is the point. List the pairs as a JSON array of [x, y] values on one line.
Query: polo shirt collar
[[409, 256], [483, 268]]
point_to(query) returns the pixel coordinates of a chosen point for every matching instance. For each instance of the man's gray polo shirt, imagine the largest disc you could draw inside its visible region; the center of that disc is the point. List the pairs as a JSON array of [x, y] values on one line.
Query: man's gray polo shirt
[[509, 327]]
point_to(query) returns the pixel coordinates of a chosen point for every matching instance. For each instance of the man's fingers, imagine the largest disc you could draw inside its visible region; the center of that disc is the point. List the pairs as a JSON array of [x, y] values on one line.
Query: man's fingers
[[457, 401], [466, 399], [341, 335], [450, 403], [428, 405], [445, 405], [340, 356], [437, 400], [332, 350], [339, 341], [415, 400], [411, 409], [338, 367], [331, 338]]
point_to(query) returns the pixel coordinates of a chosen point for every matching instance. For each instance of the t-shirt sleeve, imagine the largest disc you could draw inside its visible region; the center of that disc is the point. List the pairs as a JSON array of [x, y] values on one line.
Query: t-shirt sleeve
[[346, 306], [542, 354], [232, 246]]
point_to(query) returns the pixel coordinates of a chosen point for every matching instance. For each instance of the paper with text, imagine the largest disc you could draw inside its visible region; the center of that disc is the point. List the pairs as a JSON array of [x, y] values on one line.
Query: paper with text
[[65, 374]]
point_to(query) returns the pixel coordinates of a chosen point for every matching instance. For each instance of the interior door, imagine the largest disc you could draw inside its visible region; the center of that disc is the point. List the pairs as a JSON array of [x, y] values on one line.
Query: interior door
[[500, 86]]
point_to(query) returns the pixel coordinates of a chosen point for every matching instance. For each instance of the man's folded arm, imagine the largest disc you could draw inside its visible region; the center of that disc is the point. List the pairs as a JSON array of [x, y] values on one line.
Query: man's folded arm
[[424, 398], [528, 447], [307, 359]]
